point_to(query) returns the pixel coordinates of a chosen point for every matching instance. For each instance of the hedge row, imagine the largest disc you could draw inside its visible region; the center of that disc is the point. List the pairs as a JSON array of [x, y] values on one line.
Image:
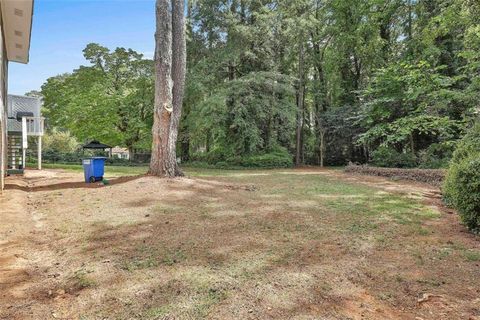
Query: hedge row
[[433, 177], [462, 184], [279, 158]]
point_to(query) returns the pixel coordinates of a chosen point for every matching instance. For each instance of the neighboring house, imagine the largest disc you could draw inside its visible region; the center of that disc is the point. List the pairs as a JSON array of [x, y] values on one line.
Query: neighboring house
[[120, 153], [15, 32]]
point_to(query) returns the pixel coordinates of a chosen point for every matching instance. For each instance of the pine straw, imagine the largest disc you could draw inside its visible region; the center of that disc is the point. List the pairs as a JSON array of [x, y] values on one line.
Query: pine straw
[[433, 177]]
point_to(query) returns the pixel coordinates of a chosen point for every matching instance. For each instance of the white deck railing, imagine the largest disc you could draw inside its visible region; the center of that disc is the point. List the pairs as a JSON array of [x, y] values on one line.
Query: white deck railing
[[35, 126]]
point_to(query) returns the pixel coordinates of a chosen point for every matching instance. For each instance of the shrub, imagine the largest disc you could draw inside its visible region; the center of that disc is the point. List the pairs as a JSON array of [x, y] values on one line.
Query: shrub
[[437, 155], [462, 190], [276, 158], [268, 160], [390, 158], [60, 142], [469, 145], [211, 157], [222, 165], [462, 184]]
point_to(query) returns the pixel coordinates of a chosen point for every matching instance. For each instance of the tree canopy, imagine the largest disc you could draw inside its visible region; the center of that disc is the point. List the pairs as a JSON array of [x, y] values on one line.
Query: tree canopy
[[358, 74], [109, 100], [330, 81]]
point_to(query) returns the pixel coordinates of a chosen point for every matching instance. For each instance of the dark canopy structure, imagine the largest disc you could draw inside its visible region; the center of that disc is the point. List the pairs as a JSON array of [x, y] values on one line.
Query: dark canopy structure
[[97, 145], [94, 144]]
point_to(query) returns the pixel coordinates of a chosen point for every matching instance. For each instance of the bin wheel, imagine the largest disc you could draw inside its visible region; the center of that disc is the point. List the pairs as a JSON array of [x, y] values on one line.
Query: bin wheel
[[92, 179]]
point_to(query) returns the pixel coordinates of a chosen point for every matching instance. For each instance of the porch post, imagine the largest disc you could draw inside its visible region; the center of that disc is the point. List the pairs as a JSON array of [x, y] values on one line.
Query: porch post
[[24, 155], [39, 150], [24, 142]]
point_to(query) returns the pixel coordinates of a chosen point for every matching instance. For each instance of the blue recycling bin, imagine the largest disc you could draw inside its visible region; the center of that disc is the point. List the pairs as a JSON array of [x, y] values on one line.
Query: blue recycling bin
[[93, 169]]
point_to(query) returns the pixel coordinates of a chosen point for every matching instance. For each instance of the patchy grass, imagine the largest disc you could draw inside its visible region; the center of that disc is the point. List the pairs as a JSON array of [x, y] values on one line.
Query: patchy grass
[[302, 244], [157, 312], [81, 279], [472, 256]]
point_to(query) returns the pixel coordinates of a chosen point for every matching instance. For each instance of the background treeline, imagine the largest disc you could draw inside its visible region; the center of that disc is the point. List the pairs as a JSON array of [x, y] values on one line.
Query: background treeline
[[276, 82]]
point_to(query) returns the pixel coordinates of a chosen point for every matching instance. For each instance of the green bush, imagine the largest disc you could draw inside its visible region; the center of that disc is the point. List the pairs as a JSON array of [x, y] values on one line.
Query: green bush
[[222, 165], [60, 141], [276, 158], [462, 184], [391, 158], [469, 145], [462, 190], [268, 160], [436, 156], [211, 157]]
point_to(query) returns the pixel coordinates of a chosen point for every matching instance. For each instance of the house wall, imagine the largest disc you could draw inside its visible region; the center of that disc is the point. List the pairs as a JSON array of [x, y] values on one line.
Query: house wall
[[3, 106]]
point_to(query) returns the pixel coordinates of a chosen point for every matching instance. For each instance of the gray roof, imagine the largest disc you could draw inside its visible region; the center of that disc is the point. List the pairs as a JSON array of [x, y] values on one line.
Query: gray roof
[[23, 104]]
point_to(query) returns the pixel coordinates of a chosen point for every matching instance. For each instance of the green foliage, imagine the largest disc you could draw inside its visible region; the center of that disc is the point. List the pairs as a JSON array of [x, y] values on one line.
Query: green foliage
[[469, 145], [437, 155], [386, 73], [373, 73], [276, 158], [407, 89], [341, 126], [462, 189], [390, 158], [211, 157], [110, 101], [404, 129], [59, 141], [53, 156], [249, 115], [462, 184]]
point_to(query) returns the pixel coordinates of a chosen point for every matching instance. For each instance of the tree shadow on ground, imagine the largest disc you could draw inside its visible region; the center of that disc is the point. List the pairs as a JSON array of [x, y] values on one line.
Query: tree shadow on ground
[[71, 185]]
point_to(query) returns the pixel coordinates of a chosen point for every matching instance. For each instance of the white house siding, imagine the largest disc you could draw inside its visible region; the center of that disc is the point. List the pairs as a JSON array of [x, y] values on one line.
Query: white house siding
[[3, 106], [15, 33]]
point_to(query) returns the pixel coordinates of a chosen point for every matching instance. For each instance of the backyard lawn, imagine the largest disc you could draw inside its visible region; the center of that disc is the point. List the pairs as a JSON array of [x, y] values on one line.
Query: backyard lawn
[[263, 244]]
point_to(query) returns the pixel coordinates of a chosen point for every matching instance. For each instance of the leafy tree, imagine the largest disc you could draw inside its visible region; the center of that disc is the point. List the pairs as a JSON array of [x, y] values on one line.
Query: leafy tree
[[111, 100], [252, 114], [59, 141], [329, 81]]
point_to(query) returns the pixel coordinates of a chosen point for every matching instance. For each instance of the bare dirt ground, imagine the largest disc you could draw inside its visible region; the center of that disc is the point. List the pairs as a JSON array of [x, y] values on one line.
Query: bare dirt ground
[[278, 244]]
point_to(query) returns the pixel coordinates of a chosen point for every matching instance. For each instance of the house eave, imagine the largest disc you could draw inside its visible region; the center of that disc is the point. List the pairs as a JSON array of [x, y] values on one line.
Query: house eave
[[17, 26]]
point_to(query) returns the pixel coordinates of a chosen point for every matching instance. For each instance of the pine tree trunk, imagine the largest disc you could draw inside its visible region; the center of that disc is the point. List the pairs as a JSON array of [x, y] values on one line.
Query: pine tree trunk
[[179, 62], [159, 163], [322, 147], [300, 101], [169, 86]]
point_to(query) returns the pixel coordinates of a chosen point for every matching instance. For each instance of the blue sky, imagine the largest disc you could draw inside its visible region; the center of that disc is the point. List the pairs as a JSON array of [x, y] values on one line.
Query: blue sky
[[62, 29]]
